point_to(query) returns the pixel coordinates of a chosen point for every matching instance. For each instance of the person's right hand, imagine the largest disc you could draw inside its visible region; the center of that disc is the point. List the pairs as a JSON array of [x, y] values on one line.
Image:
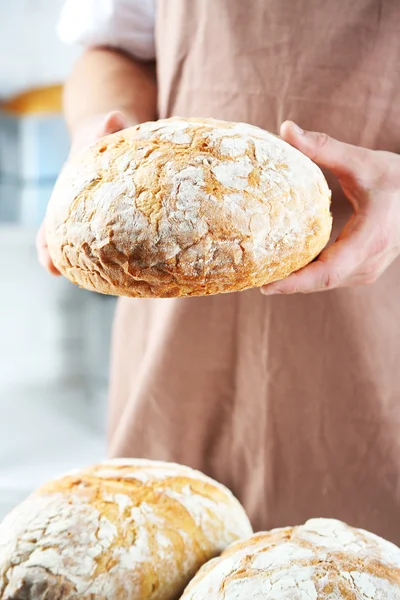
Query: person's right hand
[[85, 134]]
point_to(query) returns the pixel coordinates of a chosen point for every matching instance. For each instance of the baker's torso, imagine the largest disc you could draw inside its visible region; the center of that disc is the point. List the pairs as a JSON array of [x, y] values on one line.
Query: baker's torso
[[293, 402]]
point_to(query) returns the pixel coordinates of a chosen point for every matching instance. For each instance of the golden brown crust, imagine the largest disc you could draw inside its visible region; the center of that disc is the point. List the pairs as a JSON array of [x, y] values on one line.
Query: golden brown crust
[[126, 529], [187, 207], [321, 560]]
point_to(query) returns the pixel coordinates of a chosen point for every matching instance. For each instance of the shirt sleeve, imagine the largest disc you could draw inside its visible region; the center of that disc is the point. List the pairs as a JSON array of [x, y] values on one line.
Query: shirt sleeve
[[124, 24]]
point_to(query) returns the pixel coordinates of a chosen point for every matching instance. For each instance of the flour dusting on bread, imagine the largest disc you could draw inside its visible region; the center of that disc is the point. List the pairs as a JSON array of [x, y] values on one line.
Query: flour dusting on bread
[[122, 529], [186, 207], [321, 560]]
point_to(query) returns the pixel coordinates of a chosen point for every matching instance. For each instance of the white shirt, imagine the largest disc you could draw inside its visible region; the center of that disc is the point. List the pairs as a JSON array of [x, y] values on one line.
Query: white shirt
[[125, 24]]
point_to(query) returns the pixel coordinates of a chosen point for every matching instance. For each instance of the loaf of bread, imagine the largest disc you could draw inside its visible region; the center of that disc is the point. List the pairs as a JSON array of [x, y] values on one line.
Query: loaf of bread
[[322, 560], [122, 530], [187, 207]]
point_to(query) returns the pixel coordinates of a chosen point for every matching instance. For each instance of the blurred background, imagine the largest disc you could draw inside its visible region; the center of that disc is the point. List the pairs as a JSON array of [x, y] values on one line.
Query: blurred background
[[54, 337]]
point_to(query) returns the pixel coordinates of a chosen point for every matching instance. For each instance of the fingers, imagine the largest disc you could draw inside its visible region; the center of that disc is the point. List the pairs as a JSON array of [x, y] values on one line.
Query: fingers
[[323, 274], [340, 158], [43, 252], [114, 121], [370, 241], [340, 265], [91, 130]]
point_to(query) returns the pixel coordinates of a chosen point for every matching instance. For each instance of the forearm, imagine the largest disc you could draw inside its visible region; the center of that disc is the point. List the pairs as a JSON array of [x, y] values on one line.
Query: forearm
[[104, 80]]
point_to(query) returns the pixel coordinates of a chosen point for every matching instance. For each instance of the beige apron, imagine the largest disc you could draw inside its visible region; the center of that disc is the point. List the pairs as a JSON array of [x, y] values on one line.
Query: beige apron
[[291, 401]]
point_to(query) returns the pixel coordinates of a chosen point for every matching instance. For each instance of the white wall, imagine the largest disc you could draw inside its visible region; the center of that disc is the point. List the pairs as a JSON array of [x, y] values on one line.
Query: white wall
[[54, 353], [54, 338], [30, 52]]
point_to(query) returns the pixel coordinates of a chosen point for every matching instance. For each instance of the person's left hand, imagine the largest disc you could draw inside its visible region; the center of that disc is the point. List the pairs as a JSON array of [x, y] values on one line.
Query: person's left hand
[[370, 241]]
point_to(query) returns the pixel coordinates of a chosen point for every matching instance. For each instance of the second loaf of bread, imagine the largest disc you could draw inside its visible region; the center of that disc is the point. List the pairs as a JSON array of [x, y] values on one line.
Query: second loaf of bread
[[323, 559], [122, 530], [186, 207]]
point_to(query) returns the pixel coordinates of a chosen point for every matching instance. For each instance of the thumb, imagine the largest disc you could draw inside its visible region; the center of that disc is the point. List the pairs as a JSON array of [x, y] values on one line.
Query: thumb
[[114, 121], [340, 158], [91, 130]]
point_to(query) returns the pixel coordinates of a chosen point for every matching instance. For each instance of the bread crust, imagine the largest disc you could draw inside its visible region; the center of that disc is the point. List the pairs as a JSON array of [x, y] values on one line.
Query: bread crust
[[321, 560], [121, 530], [187, 207]]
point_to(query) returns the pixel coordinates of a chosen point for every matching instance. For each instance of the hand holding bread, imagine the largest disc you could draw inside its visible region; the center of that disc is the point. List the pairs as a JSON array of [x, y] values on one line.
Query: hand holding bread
[[370, 240], [186, 207]]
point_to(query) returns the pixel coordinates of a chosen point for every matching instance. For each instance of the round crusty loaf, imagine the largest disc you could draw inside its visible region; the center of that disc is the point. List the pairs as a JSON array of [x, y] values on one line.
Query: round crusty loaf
[[187, 207], [122, 530], [322, 560]]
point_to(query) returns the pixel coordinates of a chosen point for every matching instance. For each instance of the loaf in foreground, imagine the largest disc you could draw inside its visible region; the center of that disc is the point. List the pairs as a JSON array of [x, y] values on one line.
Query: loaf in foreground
[[321, 560], [122, 530], [187, 207]]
